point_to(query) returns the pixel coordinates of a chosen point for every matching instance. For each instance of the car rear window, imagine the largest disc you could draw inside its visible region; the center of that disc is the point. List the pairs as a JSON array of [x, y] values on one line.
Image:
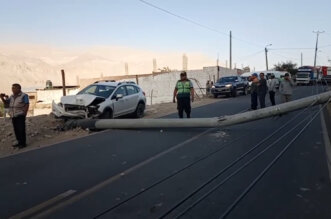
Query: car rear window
[[121, 90], [131, 90]]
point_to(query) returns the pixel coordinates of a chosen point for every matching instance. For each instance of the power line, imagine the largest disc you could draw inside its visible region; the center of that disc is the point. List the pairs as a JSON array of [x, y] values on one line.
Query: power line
[[325, 46], [184, 18], [291, 48], [195, 22], [250, 55], [286, 57], [245, 41]]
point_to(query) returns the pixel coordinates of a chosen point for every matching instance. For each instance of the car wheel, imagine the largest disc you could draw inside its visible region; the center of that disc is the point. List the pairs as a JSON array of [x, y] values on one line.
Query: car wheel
[[215, 95], [139, 113], [107, 114], [234, 92], [245, 91]]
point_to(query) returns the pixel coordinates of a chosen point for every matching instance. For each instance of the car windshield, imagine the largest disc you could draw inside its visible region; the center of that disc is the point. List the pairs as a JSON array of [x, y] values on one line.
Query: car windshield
[[98, 90], [227, 79], [303, 75]]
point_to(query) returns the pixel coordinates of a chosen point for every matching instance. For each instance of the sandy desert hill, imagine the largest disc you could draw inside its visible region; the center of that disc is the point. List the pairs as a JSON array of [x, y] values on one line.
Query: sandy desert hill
[[32, 65]]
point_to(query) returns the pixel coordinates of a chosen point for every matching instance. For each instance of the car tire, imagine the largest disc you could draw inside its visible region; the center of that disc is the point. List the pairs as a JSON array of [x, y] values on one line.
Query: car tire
[[107, 114], [140, 110], [245, 91], [215, 95], [234, 92]]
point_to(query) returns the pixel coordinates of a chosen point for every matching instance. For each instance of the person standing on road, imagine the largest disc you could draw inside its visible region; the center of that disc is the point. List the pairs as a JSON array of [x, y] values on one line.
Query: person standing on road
[[208, 88], [286, 88], [254, 90], [184, 93], [5, 100], [262, 90], [18, 109], [272, 87]]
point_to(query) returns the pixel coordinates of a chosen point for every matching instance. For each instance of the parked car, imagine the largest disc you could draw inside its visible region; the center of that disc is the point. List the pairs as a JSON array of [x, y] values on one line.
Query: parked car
[[229, 86], [247, 82], [106, 99]]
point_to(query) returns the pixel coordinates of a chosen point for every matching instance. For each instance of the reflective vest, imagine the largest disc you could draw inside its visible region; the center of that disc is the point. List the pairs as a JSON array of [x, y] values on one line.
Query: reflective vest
[[184, 89]]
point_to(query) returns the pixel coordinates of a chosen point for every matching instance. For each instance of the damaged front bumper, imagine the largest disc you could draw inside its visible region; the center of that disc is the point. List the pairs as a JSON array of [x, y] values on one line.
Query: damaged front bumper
[[59, 111], [78, 106]]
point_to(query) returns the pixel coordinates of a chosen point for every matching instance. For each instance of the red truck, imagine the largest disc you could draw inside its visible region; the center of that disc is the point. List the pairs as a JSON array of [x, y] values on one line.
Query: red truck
[[326, 74]]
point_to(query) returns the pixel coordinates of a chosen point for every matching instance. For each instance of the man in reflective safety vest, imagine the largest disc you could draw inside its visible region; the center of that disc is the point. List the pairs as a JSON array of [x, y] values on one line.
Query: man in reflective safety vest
[[184, 93]]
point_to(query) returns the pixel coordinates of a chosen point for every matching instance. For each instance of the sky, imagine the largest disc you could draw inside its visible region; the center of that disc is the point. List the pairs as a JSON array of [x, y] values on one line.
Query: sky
[[286, 24]]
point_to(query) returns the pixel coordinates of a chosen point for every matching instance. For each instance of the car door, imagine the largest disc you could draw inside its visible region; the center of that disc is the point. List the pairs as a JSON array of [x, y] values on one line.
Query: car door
[[120, 105], [133, 97], [240, 83]]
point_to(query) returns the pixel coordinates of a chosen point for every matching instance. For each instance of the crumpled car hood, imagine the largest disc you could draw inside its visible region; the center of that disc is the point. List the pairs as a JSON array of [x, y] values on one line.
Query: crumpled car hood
[[81, 99]]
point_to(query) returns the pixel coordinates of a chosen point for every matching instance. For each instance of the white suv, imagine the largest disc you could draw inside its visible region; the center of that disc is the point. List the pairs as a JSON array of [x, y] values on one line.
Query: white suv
[[106, 99]]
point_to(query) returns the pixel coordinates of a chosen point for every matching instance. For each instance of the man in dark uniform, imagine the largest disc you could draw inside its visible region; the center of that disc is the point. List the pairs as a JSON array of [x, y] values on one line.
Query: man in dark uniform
[[184, 93], [18, 109], [254, 90], [262, 90]]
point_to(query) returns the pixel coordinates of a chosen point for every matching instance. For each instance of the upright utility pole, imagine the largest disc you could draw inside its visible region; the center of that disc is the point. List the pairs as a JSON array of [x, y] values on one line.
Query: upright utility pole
[[126, 68], [185, 62], [301, 59], [218, 67], [266, 56], [230, 49], [316, 48], [154, 65], [63, 82]]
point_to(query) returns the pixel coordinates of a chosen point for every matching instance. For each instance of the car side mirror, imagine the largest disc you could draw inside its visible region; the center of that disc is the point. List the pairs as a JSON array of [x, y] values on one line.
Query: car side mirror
[[119, 96]]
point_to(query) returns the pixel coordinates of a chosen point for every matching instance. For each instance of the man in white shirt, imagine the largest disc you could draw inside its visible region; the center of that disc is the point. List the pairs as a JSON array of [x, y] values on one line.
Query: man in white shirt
[[272, 87]]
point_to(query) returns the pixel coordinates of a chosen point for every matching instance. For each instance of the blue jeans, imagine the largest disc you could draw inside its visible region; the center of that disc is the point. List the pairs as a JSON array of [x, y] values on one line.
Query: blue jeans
[[254, 100], [262, 99]]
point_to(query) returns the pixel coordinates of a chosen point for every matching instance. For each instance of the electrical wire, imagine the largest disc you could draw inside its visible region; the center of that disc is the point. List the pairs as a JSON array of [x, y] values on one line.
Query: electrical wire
[[169, 176], [291, 48], [183, 18], [195, 22], [267, 168], [250, 55], [232, 174], [232, 164]]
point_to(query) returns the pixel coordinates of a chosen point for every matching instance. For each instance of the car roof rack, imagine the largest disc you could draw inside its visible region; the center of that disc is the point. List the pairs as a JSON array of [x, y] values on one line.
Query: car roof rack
[[104, 81], [126, 82]]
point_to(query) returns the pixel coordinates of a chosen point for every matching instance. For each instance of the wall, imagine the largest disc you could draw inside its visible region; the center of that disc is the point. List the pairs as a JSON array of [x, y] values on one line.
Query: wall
[[47, 96], [159, 87]]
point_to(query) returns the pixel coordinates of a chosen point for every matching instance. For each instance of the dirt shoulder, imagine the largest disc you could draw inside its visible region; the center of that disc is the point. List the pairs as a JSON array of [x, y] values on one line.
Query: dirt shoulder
[[46, 130]]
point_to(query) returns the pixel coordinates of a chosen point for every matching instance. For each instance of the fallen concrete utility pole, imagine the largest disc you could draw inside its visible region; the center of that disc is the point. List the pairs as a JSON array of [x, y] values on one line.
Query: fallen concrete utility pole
[[206, 122]]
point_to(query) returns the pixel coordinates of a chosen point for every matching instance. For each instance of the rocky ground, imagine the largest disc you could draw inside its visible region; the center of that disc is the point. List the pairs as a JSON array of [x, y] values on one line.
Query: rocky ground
[[46, 130]]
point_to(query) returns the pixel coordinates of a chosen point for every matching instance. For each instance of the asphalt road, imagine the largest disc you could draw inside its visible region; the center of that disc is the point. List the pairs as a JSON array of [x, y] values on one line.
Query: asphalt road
[[87, 177]]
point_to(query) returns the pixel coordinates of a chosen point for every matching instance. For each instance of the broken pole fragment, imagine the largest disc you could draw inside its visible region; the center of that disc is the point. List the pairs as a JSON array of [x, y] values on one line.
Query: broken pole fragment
[[63, 82], [226, 120]]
